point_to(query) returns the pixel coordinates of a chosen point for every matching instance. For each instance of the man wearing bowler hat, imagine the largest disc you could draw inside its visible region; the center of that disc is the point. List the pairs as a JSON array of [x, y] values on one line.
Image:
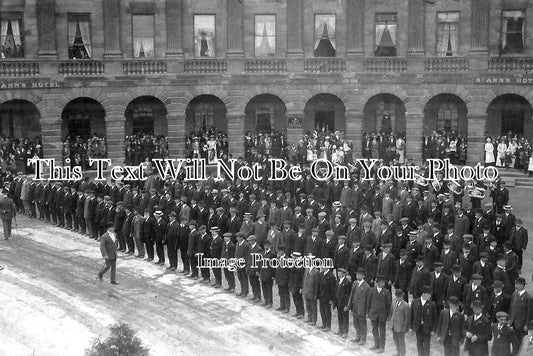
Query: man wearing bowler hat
[[450, 328], [326, 295], [253, 271], [478, 331], [379, 305], [215, 251], [499, 301], [342, 295], [424, 320], [521, 311], [474, 291], [505, 341], [358, 303], [519, 239], [108, 247], [400, 321]]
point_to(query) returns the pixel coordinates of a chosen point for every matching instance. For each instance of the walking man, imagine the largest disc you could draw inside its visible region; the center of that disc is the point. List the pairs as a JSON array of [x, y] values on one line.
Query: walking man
[[7, 213], [108, 247], [424, 320]]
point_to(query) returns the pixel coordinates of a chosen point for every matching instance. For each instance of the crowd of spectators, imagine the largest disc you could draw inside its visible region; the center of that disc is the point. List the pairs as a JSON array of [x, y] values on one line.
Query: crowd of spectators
[[509, 151], [141, 148], [445, 145], [389, 147], [209, 144], [78, 151], [14, 153]]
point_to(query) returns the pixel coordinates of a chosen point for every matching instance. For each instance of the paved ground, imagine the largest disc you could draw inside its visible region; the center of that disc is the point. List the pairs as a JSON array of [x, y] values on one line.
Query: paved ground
[[50, 306]]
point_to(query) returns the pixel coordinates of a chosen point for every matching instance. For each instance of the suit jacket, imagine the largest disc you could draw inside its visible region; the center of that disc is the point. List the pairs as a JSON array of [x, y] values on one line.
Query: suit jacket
[[216, 246], [504, 338], [425, 316], [400, 319], [267, 273], [326, 287], [342, 293], [310, 284], [160, 230], [419, 278], [469, 296], [192, 245], [500, 275], [386, 267], [455, 288], [7, 208], [402, 274], [341, 257], [108, 247], [359, 299], [451, 327], [379, 304], [438, 288], [250, 269], [521, 310], [481, 328], [498, 304]]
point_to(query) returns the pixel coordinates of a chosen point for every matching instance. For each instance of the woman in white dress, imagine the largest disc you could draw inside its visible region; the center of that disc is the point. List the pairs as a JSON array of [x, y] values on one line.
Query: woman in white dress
[[489, 152], [400, 149], [212, 150], [500, 156], [510, 154]]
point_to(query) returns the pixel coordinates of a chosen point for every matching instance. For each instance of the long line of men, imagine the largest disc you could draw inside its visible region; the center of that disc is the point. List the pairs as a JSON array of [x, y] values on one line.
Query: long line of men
[[382, 237]]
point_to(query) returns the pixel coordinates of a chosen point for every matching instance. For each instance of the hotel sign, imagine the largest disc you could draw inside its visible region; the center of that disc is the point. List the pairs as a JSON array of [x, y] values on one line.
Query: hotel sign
[[504, 80], [36, 84]]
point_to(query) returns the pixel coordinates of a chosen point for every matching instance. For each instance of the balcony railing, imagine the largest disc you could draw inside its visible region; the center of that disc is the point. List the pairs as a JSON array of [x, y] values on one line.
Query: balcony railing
[[385, 65], [19, 69], [144, 67], [447, 64], [205, 66], [265, 66], [324, 65], [510, 64], [81, 67]]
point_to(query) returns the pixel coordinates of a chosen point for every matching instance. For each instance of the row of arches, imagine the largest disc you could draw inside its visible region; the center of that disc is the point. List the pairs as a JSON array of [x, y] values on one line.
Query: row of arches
[[85, 117]]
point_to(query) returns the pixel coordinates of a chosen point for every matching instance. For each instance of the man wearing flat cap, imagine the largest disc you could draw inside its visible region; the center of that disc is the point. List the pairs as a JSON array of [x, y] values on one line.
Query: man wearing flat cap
[[500, 274], [478, 331], [521, 310], [505, 343], [228, 252], [424, 320], [450, 328]]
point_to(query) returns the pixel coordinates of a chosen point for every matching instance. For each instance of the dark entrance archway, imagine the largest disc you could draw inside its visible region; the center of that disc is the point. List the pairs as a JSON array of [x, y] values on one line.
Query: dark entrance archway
[[205, 113], [509, 115], [445, 113], [83, 117], [265, 113], [384, 112], [20, 119], [146, 115], [325, 113]]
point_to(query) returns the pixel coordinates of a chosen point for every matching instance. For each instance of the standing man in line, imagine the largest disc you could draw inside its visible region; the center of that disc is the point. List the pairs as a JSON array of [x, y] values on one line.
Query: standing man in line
[[424, 320], [7, 213], [108, 247], [358, 302], [450, 328], [400, 320], [228, 252], [379, 305], [310, 292], [478, 331], [342, 296], [326, 294]]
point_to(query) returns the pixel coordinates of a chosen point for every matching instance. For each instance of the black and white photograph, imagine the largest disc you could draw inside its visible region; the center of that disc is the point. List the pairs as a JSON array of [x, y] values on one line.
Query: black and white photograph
[[266, 177]]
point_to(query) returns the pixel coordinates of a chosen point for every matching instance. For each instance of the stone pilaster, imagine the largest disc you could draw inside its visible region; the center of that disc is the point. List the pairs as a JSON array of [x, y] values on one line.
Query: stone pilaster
[[235, 13], [236, 133], [112, 28], [52, 140], [115, 123], [46, 22], [176, 134], [295, 16], [480, 25], [415, 37], [414, 137], [355, 16], [476, 130], [174, 12], [354, 130]]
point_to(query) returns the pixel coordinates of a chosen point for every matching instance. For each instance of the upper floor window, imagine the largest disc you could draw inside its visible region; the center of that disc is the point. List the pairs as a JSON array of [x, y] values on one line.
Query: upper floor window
[[79, 36], [324, 45], [11, 36], [447, 34], [513, 31], [143, 36], [204, 35], [265, 35], [386, 28]]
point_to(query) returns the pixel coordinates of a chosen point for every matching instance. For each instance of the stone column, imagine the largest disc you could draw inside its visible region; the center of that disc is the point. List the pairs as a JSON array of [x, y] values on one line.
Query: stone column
[[480, 25], [414, 126], [176, 134], [115, 122], [295, 16], [174, 18], [294, 134], [112, 28], [46, 22], [415, 41], [235, 15], [355, 15], [354, 130], [476, 139], [235, 133]]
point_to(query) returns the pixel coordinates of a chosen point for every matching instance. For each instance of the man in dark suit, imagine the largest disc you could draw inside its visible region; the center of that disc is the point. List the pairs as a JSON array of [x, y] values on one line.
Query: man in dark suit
[[282, 280], [181, 244], [228, 252], [7, 213], [474, 291], [500, 274], [379, 306], [242, 249], [215, 251], [108, 247], [456, 284], [419, 278], [172, 242], [310, 292], [358, 303], [342, 295], [519, 239], [450, 328], [342, 253], [424, 320], [385, 266], [521, 311], [295, 287], [267, 275], [326, 295], [192, 248], [499, 301], [355, 258], [477, 331], [504, 337], [160, 237], [438, 282], [400, 321]]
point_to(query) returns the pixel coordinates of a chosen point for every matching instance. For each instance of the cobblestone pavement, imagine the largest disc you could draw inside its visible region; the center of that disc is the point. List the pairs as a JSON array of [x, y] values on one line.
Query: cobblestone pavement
[[50, 305]]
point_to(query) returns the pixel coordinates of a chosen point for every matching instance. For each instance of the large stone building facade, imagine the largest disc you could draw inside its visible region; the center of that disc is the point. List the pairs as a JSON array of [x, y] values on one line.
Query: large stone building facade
[[112, 67]]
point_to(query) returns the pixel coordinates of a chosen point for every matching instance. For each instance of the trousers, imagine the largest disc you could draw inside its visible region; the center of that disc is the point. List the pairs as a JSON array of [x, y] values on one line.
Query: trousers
[[109, 264]]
